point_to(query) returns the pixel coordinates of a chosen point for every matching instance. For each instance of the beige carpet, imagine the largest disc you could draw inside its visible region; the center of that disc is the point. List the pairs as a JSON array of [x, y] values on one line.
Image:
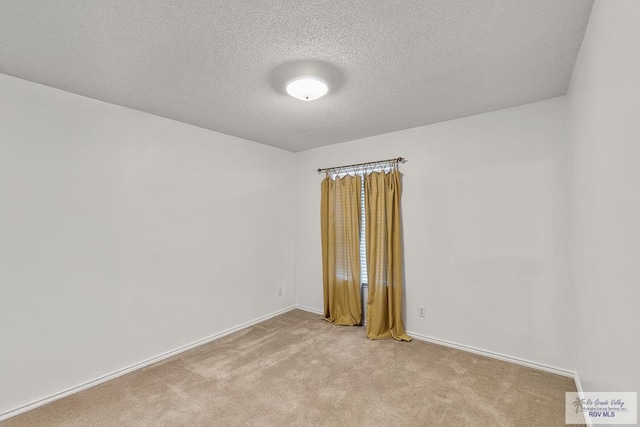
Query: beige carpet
[[296, 369]]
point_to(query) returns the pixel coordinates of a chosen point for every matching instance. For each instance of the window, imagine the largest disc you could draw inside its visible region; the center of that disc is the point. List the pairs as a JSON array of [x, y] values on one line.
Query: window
[[362, 171], [363, 240]]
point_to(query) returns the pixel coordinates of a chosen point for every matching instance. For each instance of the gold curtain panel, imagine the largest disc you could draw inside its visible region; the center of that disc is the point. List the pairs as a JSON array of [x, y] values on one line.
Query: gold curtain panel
[[340, 227]]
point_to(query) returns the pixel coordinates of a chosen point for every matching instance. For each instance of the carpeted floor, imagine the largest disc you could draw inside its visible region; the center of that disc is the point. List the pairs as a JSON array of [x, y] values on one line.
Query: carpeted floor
[[298, 370]]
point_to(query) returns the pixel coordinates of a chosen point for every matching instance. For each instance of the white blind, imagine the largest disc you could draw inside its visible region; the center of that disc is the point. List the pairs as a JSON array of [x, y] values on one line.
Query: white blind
[[363, 239]]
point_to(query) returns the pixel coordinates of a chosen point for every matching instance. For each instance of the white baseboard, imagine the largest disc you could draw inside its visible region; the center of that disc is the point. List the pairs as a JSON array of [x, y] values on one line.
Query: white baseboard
[[578, 385], [576, 379], [320, 312], [309, 309], [493, 355], [139, 365]]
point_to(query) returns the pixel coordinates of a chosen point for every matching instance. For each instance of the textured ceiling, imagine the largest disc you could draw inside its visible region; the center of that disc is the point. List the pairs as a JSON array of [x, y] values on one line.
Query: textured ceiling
[[222, 65]]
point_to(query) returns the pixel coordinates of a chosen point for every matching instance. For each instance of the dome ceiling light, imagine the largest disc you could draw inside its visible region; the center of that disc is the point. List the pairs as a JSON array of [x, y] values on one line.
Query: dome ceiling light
[[307, 88]]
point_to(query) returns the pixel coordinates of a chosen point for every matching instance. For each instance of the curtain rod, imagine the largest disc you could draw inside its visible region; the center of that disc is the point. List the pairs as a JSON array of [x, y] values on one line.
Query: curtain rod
[[394, 160]]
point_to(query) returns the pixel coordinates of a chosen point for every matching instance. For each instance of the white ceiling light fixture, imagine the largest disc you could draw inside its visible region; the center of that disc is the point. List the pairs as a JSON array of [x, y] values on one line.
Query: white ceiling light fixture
[[307, 88]]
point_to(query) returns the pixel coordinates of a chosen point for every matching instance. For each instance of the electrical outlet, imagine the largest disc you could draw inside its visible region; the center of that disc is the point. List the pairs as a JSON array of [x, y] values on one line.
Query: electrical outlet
[[279, 292], [421, 312]]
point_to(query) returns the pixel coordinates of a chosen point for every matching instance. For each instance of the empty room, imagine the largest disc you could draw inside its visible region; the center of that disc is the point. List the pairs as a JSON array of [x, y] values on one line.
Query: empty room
[[319, 213]]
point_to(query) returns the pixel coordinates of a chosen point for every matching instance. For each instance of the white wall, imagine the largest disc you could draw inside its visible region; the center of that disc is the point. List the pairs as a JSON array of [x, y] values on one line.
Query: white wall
[[605, 179], [125, 235], [485, 229]]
